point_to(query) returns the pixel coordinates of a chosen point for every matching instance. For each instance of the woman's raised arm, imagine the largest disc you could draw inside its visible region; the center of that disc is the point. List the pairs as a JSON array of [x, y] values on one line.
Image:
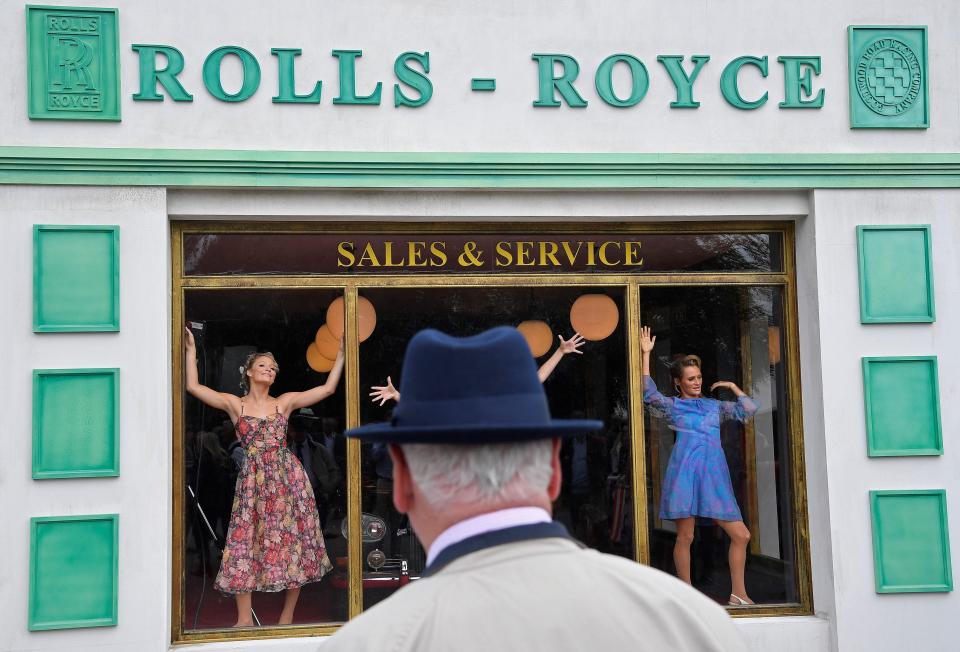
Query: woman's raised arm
[[218, 400], [660, 404], [384, 393], [740, 410], [294, 400], [566, 346]]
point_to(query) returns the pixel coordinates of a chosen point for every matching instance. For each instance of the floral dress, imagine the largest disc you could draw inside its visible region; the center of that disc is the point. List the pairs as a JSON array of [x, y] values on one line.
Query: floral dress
[[697, 481], [274, 540]]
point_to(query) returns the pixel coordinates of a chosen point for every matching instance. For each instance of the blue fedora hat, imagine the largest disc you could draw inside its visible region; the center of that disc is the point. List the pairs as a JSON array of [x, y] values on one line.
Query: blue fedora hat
[[482, 389]]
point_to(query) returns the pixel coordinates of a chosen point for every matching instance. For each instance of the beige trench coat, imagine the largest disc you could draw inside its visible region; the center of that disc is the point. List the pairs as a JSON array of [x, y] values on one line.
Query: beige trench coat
[[542, 595]]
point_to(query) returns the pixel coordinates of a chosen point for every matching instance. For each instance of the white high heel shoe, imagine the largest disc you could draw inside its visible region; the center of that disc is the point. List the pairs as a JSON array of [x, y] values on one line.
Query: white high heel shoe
[[737, 601]]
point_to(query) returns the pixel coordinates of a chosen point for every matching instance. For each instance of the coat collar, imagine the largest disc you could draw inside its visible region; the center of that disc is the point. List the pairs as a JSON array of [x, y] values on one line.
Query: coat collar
[[494, 538]]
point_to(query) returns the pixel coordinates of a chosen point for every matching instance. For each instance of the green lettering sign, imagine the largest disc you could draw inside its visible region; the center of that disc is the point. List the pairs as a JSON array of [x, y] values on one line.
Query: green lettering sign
[[551, 84], [150, 76], [681, 80], [640, 81], [798, 83], [415, 79], [287, 90], [348, 80], [729, 85], [251, 74]]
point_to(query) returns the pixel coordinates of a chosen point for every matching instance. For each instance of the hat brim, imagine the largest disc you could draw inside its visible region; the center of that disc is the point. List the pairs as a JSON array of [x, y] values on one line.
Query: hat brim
[[472, 434]]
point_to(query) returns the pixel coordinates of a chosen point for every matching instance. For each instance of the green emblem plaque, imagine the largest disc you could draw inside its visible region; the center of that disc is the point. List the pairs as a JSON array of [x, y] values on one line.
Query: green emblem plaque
[[73, 69], [889, 86]]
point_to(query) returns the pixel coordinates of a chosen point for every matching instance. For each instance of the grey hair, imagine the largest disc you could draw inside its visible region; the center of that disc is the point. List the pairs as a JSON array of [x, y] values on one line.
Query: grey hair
[[245, 367], [489, 473]]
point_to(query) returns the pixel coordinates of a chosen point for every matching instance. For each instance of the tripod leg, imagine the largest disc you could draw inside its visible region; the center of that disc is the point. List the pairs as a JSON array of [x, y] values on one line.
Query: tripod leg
[[203, 515]]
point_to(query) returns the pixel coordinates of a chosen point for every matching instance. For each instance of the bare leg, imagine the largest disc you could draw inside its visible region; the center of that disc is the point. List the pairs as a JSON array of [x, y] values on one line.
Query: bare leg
[[244, 616], [681, 549], [739, 538], [289, 604]]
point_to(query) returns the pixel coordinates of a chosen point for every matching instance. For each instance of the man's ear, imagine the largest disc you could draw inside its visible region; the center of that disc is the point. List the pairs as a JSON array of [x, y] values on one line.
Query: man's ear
[[402, 482], [556, 478]]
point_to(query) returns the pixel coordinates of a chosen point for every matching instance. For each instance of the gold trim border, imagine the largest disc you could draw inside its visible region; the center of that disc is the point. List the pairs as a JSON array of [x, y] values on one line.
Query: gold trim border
[[630, 283]]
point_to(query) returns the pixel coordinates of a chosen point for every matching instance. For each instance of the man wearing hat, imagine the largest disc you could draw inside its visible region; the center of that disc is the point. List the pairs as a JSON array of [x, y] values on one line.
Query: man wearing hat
[[476, 467]]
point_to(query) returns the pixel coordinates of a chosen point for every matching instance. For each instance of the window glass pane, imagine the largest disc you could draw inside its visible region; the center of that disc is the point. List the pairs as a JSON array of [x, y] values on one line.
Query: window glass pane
[[254, 483], [595, 502], [333, 253], [715, 460]]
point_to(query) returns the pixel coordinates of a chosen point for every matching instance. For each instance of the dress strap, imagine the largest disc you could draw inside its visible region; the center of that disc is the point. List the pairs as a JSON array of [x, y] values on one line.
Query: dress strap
[[276, 406], [241, 407]]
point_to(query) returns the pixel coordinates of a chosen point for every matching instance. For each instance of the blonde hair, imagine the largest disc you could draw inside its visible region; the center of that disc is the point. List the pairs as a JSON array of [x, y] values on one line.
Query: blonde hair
[[245, 367], [681, 363]]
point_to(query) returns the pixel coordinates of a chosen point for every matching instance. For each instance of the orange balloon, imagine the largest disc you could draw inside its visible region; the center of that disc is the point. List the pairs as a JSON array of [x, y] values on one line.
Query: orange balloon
[[366, 318], [594, 316], [538, 336], [336, 317], [316, 361], [327, 344]]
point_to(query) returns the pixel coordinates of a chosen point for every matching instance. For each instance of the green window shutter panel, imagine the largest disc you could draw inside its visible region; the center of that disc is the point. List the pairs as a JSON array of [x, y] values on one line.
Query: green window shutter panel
[[73, 571], [902, 401], [911, 547], [896, 274], [76, 423], [76, 278]]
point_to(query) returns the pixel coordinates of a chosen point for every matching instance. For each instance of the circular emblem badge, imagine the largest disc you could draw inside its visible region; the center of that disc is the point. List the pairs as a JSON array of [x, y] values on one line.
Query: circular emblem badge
[[889, 77]]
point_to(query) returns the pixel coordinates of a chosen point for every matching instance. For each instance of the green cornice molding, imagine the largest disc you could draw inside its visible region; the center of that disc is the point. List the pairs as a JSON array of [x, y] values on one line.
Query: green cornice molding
[[286, 169]]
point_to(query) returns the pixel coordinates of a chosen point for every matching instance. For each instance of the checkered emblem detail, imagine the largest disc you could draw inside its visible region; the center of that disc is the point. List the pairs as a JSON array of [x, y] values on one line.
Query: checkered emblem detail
[[889, 77]]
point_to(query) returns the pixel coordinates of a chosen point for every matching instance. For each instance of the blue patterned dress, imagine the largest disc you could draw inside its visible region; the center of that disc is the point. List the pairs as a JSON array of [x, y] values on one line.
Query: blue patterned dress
[[697, 482]]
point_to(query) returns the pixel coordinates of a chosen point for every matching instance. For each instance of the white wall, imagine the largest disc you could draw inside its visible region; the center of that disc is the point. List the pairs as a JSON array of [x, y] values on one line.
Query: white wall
[[850, 615], [496, 38], [141, 494], [864, 619], [490, 39]]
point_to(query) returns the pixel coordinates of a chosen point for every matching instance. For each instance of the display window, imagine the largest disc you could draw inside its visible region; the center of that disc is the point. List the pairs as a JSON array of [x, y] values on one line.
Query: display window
[[737, 461], [277, 507]]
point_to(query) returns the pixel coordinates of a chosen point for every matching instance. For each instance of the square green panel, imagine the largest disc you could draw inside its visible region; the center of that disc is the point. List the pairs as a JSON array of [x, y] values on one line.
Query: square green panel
[[911, 547], [896, 274], [889, 77], [76, 423], [73, 71], [73, 571], [76, 278], [902, 400]]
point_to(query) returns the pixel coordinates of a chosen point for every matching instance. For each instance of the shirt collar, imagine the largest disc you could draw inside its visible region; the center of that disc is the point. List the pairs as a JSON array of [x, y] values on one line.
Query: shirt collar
[[498, 520]]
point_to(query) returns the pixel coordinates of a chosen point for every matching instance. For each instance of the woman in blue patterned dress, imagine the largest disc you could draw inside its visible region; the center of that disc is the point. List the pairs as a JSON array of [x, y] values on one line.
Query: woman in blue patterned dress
[[697, 481]]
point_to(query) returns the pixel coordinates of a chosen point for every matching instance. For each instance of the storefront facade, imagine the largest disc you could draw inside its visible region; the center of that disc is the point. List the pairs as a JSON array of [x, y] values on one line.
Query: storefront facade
[[775, 191]]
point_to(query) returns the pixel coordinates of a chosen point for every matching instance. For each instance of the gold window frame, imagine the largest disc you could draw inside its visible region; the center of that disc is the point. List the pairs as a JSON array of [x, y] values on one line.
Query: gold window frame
[[632, 283]]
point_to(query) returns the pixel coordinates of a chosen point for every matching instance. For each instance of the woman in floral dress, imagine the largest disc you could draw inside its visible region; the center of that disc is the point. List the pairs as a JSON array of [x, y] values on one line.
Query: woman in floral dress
[[274, 542], [697, 481]]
